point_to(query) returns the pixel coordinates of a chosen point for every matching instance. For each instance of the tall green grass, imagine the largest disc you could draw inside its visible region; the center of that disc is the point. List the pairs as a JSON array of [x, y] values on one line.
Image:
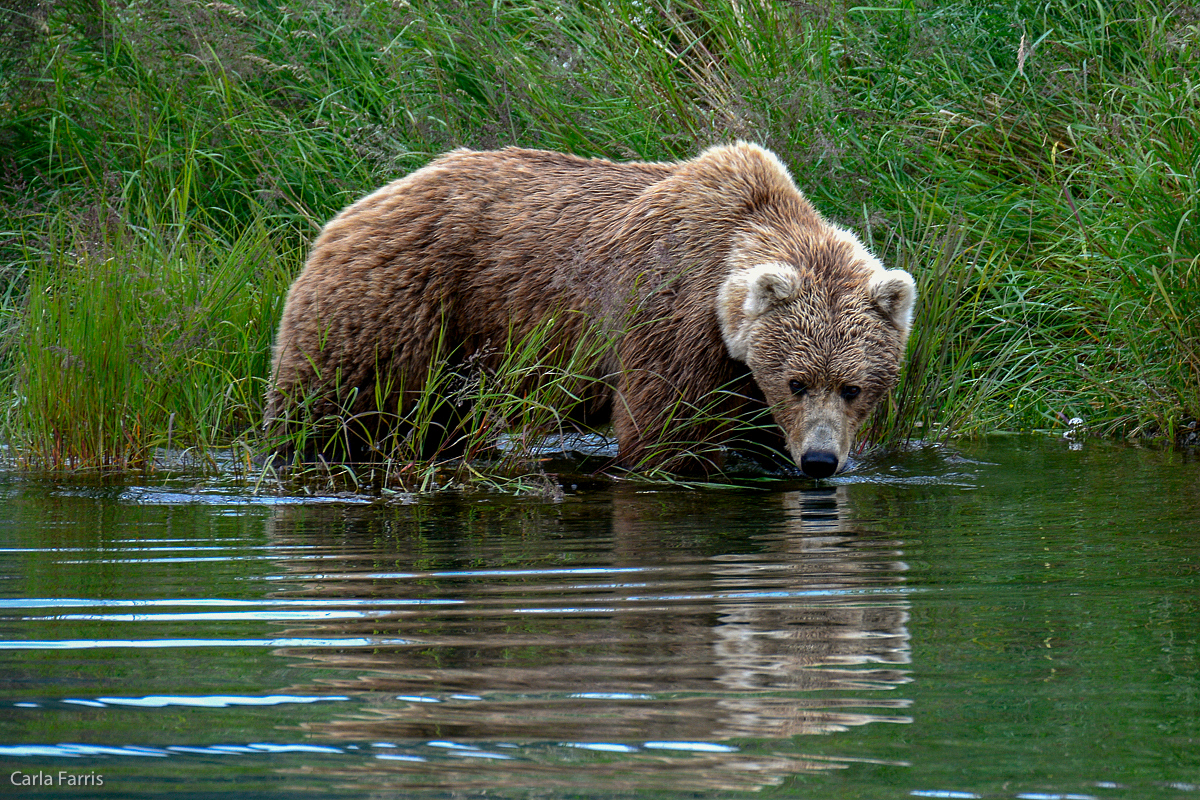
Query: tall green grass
[[124, 346], [494, 407], [163, 166]]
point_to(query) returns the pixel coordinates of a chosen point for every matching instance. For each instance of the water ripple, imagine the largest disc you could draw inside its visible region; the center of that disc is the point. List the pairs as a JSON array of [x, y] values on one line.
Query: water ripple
[[140, 644]]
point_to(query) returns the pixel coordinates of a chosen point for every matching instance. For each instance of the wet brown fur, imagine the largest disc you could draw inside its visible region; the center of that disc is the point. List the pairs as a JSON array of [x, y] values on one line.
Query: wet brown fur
[[478, 248]]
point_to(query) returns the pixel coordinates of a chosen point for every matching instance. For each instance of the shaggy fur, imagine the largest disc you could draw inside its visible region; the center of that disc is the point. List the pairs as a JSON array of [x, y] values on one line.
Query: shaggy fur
[[714, 273]]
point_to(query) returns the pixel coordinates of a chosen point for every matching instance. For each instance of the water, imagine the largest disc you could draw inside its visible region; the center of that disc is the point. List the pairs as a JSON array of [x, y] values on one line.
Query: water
[[1015, 618]]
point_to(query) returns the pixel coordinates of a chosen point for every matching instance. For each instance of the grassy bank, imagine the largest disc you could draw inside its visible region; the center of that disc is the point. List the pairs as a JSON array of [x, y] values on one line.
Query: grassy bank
[[163, 165]]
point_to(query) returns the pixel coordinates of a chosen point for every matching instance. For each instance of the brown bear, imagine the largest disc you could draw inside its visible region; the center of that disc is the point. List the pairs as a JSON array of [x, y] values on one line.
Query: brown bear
[[712, 278]]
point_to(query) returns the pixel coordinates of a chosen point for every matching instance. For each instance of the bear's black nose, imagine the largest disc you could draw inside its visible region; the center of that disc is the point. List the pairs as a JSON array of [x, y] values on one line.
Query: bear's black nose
[[819, 464]]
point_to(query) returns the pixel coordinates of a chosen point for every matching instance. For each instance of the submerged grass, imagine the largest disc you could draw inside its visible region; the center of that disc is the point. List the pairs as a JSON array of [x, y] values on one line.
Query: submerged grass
[[163, 165]]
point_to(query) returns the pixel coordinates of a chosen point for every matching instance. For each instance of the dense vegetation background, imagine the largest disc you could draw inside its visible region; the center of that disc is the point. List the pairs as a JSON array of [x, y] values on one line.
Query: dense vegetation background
[[163, 164]]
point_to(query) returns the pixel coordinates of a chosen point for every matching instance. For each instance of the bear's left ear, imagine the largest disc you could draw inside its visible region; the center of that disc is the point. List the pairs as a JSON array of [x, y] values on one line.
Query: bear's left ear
[[894, 292], [748, 294]]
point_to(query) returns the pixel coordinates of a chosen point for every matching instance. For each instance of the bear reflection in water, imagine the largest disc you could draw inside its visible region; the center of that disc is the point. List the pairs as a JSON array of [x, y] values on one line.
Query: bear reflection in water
[[679, 617]]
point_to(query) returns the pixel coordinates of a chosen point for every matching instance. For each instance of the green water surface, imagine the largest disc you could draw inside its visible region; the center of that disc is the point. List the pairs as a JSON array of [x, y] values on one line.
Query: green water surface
[[1010, 618]]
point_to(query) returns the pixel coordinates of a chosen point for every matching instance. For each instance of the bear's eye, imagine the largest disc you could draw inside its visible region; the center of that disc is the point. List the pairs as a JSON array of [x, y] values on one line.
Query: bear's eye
[[798, 388], [850, 392]]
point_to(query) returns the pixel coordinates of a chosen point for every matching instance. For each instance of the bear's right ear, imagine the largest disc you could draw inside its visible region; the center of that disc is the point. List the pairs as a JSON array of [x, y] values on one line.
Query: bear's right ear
[[748, 294]]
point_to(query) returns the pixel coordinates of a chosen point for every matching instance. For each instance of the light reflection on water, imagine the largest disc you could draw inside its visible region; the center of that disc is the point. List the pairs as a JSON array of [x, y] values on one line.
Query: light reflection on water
[[624, 641], [141, 644]]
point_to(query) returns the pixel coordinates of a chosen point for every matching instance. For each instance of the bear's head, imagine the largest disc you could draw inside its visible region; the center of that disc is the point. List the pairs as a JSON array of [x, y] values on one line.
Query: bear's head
[[823, 333]]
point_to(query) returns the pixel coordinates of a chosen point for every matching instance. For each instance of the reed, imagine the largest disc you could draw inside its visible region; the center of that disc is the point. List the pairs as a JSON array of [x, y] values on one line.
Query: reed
[[124, 346], [480, 417], [162, 167]]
